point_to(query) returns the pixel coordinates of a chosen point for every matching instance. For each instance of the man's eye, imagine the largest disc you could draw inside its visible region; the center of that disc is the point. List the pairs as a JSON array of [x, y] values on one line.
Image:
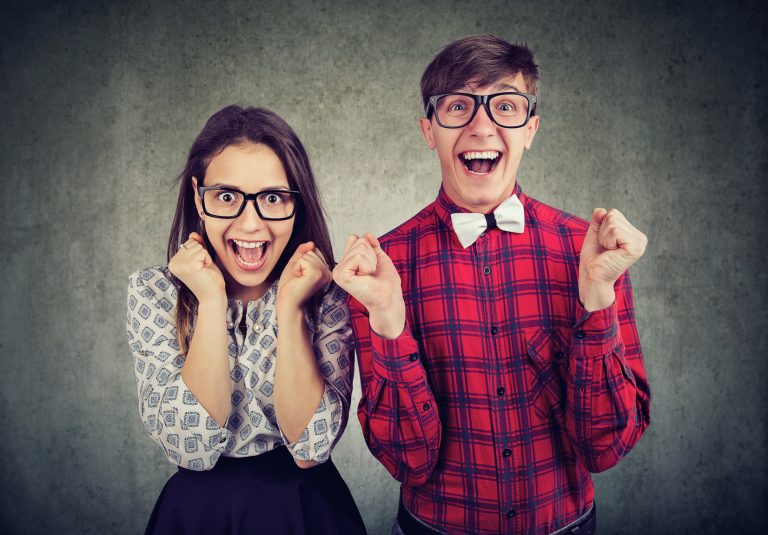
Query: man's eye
[[457, 107], [506, 106]]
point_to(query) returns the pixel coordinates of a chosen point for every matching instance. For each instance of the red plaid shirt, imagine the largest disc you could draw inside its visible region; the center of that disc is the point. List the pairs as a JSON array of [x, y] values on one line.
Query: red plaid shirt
[[503, 393]]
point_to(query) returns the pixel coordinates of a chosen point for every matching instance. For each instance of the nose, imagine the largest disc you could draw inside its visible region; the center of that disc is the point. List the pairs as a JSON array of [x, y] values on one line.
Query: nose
[[481, 124], [249, 219]]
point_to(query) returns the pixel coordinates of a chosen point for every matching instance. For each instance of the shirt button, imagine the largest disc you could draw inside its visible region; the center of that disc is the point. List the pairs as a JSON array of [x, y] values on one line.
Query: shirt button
[[494, 330], [507, 452], [500, 391], [425, 406], [511, 513], [230, 325], [579, 334], [559, 355], [413, 357], [487, 270]]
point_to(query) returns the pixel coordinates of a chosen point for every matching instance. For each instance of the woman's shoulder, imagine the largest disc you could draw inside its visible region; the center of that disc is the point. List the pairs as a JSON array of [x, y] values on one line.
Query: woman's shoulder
[[155, 282], [333, 307]]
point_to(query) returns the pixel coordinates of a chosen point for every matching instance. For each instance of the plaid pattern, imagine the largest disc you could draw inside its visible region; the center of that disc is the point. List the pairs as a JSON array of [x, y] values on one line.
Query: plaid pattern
[[503, 393]]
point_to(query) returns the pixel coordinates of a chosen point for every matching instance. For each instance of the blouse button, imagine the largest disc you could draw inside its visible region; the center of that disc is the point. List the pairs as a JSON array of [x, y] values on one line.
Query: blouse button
[[230, 325], [258, 327]]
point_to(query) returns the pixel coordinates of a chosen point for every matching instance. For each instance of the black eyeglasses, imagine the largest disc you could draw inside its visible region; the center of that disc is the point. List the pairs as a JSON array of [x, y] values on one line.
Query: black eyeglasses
[[228, 203], [508, 110]]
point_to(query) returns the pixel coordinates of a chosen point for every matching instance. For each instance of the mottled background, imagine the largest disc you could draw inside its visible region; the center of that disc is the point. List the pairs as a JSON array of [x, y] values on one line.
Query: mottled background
[[659, 111]]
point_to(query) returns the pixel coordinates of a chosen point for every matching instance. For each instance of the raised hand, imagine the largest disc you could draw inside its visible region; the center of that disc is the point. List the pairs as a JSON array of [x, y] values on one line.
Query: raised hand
[[193, 266], [305, 273], [610, 247], [368, 275]]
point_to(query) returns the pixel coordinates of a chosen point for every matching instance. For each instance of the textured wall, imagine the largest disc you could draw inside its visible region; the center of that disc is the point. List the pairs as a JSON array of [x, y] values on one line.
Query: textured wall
[[660, 112]]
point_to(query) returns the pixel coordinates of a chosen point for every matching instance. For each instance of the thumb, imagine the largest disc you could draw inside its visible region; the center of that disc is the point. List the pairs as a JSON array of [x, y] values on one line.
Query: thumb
[[299, 252], [598, 214]]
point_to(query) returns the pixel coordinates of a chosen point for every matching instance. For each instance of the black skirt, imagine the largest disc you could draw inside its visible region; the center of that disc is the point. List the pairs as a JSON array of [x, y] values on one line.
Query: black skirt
[[266, 493]]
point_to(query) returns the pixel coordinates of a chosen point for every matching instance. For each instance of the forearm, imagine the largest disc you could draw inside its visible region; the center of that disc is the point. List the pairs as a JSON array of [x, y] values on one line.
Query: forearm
[[206, 367], [298, 382]]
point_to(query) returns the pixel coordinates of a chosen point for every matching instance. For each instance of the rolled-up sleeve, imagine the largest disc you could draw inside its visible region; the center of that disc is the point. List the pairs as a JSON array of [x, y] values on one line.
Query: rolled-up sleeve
[[334, 349], [171, 414]]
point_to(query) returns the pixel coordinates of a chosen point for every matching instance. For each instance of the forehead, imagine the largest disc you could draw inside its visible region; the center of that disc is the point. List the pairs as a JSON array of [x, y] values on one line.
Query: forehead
[[507, 83], [247, 166]]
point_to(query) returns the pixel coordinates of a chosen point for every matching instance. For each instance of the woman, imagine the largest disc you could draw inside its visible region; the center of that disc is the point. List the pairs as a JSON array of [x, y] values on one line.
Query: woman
[[242, 343]]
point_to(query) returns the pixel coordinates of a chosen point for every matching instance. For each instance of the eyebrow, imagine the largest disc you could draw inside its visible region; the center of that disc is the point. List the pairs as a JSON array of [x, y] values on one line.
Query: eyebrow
[[229, 186]]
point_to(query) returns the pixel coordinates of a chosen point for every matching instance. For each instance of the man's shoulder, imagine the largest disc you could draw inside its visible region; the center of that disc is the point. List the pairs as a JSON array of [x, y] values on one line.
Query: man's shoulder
[[554, 220], [410, 229]]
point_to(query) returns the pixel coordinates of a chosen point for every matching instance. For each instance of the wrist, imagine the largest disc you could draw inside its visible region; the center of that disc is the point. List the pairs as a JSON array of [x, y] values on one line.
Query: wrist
[[596, 297], [388, 322], [212, 304]]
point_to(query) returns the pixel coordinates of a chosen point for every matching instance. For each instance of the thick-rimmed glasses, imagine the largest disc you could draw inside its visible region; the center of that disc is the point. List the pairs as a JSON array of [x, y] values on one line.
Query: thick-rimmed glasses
[[228, 203], [508, 110]]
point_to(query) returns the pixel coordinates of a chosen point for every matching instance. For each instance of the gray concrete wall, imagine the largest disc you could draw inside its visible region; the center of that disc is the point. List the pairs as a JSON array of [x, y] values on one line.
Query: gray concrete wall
[[658, 111]]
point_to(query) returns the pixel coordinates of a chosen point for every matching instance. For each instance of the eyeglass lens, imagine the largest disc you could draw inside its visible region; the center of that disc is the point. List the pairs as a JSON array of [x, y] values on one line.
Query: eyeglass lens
[[271, 204], [507, 109]]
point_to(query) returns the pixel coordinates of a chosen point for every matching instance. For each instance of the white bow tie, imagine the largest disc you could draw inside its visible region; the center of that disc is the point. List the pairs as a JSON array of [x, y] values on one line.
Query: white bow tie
[[508, 216]]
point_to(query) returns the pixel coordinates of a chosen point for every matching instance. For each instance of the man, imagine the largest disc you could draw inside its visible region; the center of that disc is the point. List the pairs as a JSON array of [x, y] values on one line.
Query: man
[[500, 362]]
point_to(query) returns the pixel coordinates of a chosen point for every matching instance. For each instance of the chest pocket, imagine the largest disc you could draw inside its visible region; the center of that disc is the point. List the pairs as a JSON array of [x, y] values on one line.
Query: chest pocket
[[547, 354]]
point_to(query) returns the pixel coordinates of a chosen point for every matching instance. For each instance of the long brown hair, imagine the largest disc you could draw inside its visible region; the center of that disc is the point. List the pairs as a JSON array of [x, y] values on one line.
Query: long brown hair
[[235, 125]]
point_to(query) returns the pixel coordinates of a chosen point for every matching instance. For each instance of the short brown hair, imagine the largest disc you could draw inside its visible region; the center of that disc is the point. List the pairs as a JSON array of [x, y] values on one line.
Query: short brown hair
[[480, 60]]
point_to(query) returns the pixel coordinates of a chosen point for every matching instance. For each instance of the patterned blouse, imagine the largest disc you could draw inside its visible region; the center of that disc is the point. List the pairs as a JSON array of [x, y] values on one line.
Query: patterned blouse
[[180, 424]]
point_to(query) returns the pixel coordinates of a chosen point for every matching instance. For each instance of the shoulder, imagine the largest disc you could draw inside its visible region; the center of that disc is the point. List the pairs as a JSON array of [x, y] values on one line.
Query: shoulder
[[555, 222], [155, 284], [412, 228], [333, 306]]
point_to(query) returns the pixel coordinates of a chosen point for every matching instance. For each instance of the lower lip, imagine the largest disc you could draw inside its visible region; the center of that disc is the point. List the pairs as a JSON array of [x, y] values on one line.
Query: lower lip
[[249, 267]]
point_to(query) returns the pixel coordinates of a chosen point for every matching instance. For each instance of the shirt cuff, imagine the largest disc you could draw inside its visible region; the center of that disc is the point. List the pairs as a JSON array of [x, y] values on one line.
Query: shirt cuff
[[318, 438], [397, 359], [595, 333]]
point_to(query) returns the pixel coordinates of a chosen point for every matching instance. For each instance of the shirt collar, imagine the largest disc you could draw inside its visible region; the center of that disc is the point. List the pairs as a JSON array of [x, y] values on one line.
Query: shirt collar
[[444, 207]]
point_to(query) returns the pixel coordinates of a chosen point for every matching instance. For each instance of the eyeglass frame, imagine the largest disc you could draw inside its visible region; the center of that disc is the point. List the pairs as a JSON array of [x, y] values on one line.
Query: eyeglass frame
[[246, 197], [481, 100]]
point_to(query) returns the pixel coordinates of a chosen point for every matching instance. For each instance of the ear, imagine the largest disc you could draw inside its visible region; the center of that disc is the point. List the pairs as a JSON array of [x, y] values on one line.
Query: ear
[[530, 130], [198, 201], [426, 131]]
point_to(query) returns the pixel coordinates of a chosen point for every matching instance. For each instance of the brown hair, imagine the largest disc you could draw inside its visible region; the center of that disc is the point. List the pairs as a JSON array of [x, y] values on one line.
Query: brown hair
[[235, 125], [480, 60]]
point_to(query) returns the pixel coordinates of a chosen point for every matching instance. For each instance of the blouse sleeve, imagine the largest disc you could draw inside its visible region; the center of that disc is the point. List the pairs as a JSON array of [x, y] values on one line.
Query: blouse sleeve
[[171, 414], [333, 347]]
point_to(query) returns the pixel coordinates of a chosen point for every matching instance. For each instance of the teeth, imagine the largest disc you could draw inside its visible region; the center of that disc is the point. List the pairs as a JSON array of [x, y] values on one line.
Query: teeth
[[249, 244], [487, 155]]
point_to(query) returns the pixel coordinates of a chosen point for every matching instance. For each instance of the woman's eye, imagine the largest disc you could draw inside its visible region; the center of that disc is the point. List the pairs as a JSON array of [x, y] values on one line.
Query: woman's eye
[[226, 197], [273, 198]]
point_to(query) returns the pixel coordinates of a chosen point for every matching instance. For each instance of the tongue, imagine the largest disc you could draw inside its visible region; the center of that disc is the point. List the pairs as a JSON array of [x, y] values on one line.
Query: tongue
[[252, 255], [480, 165]]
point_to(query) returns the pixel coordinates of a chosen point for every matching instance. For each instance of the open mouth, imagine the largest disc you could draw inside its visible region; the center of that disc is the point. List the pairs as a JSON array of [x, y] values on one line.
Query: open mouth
[[249, 255], [480, 163]]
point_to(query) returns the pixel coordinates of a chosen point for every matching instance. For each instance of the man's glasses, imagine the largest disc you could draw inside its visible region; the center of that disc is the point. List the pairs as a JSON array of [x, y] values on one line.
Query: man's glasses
[[508, 110], [228, 203]]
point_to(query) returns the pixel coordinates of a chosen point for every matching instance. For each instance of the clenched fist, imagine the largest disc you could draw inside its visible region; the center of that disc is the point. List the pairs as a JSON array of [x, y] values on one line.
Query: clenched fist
[[193, 266], [368, 275], [305, 273], [610, 247]]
